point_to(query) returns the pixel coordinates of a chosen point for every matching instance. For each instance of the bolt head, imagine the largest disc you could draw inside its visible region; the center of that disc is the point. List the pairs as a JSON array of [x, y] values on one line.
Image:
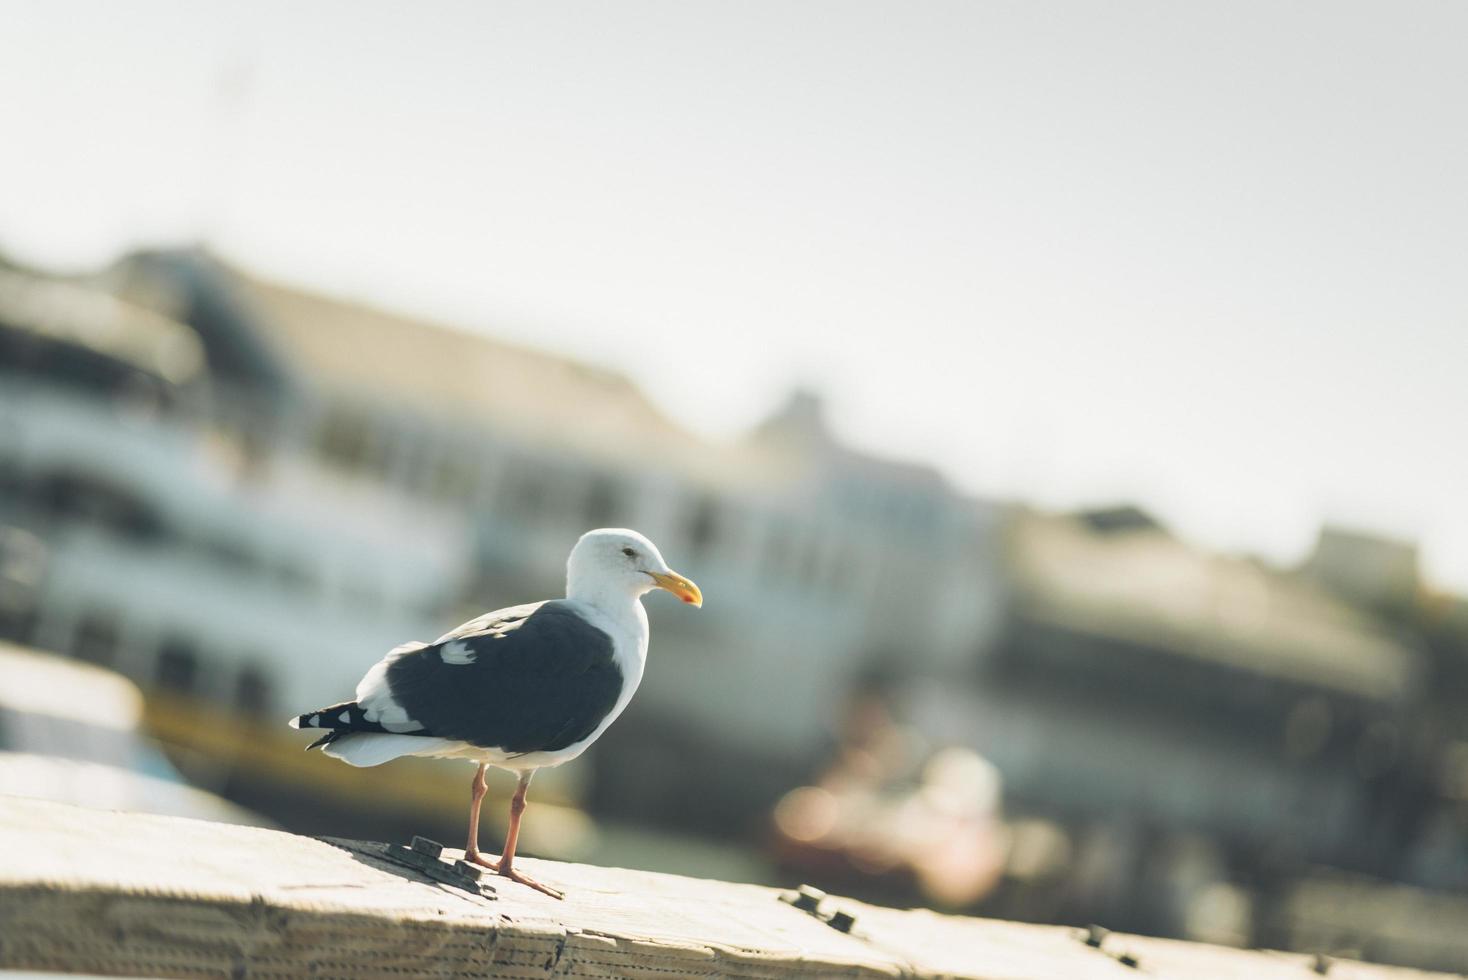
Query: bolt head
[[808, 898], [423, 845], [471, 871]]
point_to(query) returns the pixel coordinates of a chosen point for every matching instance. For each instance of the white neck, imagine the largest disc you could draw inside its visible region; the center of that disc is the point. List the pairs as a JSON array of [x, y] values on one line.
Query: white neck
[[611, 597], [622, 608]]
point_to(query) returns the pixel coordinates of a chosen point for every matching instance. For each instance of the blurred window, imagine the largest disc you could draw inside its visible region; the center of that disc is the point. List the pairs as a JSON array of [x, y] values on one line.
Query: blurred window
[[80, 498], [414, 450], [75, 366], [1307, 728], [703, 525], [525, 492], [295, 577], [346, 437], [178, 665], [254, 694], [142, 396], [453, 476], [839, 563], [231, 553], [23, 558], [778, 547], [603, 502], [362, 594], [96, 638], [810, 559]]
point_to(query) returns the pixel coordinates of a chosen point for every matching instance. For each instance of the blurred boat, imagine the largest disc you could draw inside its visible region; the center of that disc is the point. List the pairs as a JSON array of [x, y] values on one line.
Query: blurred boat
[[319, 481], [70, 733], [890, 812], [136, 536]]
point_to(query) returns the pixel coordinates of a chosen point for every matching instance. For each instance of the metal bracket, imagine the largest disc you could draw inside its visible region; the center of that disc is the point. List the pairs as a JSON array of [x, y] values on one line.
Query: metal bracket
[[1095, 937], [423, 855], [808, 899]]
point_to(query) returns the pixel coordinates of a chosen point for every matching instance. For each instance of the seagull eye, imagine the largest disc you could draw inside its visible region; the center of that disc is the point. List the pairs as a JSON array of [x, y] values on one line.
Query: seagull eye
[[629, 552]]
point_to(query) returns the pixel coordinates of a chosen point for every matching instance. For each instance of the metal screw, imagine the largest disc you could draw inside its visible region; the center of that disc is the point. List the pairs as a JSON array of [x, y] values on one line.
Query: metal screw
[[841, 921], [1095, 936], [423, 845]]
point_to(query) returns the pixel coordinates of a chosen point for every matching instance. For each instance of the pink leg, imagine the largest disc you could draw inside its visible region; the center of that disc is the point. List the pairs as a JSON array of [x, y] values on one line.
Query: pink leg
[[471, 849], [507, 859]]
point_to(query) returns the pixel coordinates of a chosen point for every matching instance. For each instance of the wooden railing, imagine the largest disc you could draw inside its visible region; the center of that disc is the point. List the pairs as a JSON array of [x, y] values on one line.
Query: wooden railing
[[115, 893]]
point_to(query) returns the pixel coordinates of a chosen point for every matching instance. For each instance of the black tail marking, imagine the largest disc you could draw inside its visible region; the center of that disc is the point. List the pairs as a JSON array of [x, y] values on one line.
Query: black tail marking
[[337, 720], [326, 739]]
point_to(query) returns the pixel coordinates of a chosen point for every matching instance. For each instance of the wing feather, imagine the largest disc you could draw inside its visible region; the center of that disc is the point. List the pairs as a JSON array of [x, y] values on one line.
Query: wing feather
[[531, 678], [525, 679]]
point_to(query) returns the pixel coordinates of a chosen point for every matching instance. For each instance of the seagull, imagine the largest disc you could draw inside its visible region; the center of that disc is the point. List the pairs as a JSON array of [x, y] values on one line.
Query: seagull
[[520, 688]]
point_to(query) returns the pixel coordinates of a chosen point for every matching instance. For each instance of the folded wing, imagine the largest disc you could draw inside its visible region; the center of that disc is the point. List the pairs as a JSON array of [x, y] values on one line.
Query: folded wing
[[531, 678]]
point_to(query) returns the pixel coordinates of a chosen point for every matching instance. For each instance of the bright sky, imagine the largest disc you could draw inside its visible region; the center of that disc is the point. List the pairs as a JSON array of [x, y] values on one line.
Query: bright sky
[[1210, 257]]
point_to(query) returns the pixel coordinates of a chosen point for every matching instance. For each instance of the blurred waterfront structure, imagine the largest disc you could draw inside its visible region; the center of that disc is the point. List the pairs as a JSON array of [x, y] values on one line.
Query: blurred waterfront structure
[[321, 480], [240, 493], [70, 732], [1193, 719]]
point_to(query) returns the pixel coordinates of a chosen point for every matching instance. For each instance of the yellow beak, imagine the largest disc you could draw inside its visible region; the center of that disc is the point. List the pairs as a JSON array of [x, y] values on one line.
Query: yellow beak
[[679, 586]]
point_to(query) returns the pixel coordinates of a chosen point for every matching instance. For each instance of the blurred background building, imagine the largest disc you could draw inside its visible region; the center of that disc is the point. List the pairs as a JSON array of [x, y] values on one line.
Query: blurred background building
[[1059, 404], [237, 493]]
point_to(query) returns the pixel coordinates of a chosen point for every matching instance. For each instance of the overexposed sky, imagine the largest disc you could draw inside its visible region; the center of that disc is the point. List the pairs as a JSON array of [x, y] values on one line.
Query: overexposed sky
[[1209, 257]]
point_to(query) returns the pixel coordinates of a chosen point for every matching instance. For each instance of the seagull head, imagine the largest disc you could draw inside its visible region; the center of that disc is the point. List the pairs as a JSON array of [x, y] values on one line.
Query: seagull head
[[617, 561]]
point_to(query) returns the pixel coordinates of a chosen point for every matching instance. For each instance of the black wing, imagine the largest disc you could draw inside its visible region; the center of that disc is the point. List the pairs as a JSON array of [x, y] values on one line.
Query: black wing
[[531, 678]]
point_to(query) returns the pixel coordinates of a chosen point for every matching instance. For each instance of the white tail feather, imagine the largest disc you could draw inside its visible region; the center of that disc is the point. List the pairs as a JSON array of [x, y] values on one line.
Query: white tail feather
[[372, 749]]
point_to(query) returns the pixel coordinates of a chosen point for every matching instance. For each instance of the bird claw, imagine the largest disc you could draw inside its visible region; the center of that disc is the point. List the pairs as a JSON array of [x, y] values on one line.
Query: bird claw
[[514, 875], [476, 858]]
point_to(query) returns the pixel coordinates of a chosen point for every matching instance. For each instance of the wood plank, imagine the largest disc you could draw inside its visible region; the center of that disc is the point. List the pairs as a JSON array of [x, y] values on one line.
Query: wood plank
[[115, 893]]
